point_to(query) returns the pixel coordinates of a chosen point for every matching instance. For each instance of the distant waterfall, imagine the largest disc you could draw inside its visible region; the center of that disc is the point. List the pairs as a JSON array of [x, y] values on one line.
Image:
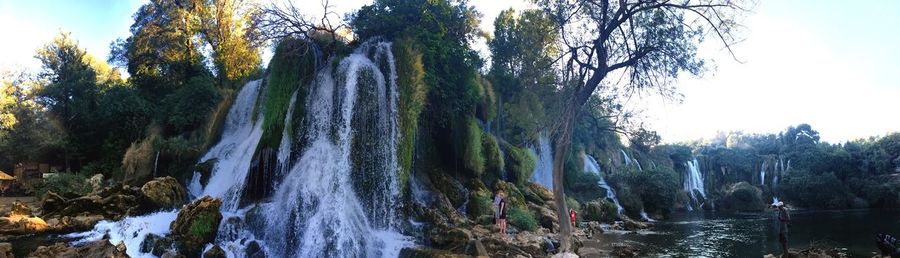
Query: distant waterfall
[[337, 198], [543, 171], [693, 183], [762, 173], [591, 166], [646, 217]]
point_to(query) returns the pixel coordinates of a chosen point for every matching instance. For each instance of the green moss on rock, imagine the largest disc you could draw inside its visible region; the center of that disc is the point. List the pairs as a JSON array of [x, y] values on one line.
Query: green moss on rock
[[520, 163]]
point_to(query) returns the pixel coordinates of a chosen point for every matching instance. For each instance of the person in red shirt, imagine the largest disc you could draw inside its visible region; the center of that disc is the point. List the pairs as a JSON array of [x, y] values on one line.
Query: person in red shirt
[[572, 215]]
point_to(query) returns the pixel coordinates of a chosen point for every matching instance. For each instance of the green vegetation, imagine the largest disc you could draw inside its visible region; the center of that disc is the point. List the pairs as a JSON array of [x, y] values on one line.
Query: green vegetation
[[65, 184], [520, 165], [411, 84], [204, 226], [292, 67], [521, 219], [472, 155]]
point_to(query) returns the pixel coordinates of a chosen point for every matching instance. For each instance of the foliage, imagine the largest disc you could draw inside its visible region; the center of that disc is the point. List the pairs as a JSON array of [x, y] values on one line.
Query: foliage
[[66, 184], [473, 158], [204, 225], [292, 67], [228, 26], [521, 219], [493, 158], [743, 196], [601, 210], [480, 204], [823, 191], [188, 107], [411, 84], [655, 187], [520, 164]]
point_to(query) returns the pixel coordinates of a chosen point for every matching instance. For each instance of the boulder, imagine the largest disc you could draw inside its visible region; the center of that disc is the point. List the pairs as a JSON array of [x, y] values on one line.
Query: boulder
[[634, 225], [196, 225], [156, 245], [424, 252], [454, 239], [545, 217], [214, 252], [541, 191], [19, 225], [19, 209], [112, 203], [164, 192], [254, 251], [6, 250], [99, 248]]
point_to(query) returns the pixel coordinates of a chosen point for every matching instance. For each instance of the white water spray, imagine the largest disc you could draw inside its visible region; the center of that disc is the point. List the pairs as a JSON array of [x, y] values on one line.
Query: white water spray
[[591, 166], [693, 182], [543, 171]]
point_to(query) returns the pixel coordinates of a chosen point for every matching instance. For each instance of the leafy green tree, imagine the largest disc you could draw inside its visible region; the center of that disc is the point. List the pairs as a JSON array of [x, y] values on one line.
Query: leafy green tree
[[648, 43], [228, 26], [71, 93]]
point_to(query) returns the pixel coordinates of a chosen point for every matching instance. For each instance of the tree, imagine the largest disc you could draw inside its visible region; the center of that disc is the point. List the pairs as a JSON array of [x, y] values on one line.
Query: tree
[[27, 123], [646, 42], [71, 92], [229, 27]]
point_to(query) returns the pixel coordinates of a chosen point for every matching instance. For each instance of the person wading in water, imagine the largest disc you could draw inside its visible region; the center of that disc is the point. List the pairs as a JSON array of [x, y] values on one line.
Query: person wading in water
[[784, 222]]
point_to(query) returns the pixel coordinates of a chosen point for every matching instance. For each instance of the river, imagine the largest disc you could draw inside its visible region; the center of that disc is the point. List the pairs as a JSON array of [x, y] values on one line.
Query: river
[[711, 234]]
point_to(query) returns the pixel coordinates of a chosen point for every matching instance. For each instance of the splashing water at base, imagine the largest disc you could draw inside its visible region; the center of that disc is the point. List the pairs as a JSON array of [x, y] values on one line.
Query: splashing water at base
[[131, 231]]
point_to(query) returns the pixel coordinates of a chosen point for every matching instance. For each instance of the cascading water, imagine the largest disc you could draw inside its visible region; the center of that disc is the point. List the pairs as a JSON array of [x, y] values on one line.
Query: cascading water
[[762, 173], [240, 136], [693, 183], [543, 171], [591, 166], [646, 217], [625, 157], [337, 199]]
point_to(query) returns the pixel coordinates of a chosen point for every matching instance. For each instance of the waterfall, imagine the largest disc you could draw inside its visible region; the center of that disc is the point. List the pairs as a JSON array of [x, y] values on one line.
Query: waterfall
[[762, 173], [625, 157], [155, 164], [543, 171], [337, 198], [591, 166], [638, 165], [646, 217], [693, 182]]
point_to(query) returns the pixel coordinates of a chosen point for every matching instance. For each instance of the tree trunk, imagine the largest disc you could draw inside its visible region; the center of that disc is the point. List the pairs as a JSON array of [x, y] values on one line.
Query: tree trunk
[[561, 147]]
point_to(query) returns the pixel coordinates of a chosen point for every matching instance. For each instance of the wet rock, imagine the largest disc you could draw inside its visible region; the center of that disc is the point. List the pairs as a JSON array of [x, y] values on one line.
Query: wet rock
[[255, 251], [164, 192], [196, 225], [215, 252], [594, 228], [477, 249], [450, 239], [156, 245], [100, 248], [634, 225], [541, 191]]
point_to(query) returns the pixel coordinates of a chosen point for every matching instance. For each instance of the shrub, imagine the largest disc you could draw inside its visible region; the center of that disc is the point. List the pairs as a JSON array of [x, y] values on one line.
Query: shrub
[[65, 184], [480, 204], [743, 197], [654, 189], [521, 219], [814, 191], [601, 210]]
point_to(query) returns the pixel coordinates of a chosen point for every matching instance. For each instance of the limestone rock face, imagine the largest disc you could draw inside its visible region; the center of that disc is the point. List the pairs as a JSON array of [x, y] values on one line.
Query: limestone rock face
[[196, 225], [164, 192]]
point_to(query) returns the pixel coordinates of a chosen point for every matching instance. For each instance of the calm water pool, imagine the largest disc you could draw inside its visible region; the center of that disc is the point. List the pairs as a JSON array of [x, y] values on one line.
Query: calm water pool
[[711, 234]]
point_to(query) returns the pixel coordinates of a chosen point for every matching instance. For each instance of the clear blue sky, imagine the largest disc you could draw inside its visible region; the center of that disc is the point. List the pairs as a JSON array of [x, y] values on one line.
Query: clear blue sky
[[833, 64]]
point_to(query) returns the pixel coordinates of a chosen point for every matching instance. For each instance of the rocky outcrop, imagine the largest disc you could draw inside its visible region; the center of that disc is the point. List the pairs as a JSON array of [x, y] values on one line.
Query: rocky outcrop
[[101, 248], [18, 225], [113, 203], [196, 225], [454, 239], [164, 192], [156, 245]]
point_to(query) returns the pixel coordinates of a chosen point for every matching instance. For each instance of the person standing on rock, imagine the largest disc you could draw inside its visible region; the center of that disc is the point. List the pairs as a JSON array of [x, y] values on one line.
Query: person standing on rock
[[572, 215], [501, 217], [784, 222], [496, 207]]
